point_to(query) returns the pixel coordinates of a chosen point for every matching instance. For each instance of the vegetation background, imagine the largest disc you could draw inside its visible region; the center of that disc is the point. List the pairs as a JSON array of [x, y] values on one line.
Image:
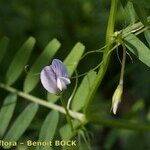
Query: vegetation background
[[70, 22]]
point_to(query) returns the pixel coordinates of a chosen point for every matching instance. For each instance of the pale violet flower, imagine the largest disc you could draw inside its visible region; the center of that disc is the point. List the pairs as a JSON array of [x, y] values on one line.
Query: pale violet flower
[[55, 78]]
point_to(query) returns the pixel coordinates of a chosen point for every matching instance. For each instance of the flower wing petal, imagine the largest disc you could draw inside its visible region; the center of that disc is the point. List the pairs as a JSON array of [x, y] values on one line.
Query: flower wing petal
[[48, 79]]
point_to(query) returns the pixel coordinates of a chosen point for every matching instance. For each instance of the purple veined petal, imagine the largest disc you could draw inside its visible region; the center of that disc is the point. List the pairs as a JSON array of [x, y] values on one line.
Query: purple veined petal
[[49, 79], [59, 68]]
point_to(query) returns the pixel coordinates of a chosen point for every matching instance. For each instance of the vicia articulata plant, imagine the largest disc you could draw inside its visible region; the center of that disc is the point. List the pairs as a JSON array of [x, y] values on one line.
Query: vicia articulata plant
[[55, 78]]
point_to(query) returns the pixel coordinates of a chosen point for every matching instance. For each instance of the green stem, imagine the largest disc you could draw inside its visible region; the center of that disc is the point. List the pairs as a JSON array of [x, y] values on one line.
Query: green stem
[[106, 57], [73, 114], [68, 117], [123, 64], [79, 116], [74, 90]]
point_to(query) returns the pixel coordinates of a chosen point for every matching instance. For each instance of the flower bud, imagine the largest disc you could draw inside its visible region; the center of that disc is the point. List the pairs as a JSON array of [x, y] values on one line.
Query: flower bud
[[116, 98]]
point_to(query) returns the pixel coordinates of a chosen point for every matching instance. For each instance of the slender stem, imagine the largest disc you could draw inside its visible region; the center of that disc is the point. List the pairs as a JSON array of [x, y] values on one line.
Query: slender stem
[[123, 64], [106, 57], [74, 90], [75, 115], [68, 117], [96, 67], [93, 51]]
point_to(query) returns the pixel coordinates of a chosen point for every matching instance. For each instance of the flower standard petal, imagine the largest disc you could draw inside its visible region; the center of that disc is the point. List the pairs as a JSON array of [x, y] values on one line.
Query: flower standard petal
[[59, 68], [48, 80]]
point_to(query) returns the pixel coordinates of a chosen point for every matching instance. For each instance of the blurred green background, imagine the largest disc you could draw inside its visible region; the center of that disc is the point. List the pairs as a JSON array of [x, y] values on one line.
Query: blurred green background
[[85, 21]]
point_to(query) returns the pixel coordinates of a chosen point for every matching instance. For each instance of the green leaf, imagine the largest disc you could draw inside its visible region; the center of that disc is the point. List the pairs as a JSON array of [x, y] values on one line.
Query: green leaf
[[130, 13], [138, 106], [147, 36], [73, 58], [85, 136], [48, 128], [81, 95], [21, 58], [52, 98], [111, 139], [123, 2], [43, 60], [66, 133], [138, 48], [21, 123], [71, 63], [142, 3], [6, 112], [141, 13], [3, 47]]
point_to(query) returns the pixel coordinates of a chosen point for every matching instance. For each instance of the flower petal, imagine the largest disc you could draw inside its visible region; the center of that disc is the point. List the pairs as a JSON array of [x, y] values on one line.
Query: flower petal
[[48, 79], [116, 99], [61, 84], [115, 107], [66, 80], [59, 68], [55, 77]]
